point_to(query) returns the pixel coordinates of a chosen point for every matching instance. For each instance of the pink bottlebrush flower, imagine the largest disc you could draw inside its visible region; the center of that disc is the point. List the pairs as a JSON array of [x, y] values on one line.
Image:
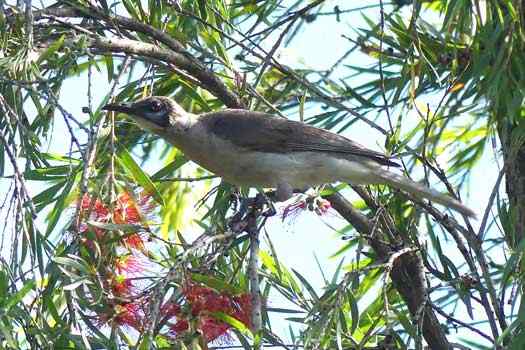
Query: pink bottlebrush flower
[[122, 286], [204, 301], [179, 327], [134, 241], [293, 209], [129, 264], [322, 206], [318, 205], [212, 329], [130, 315]]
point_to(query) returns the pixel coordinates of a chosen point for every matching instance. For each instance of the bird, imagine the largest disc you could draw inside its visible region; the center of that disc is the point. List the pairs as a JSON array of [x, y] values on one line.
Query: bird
[[256, 149]]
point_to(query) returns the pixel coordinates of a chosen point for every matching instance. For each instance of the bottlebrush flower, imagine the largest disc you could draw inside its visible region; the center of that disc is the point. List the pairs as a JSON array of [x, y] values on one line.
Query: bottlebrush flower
[[203, 302], [180, 327], [243, 309], [126, 210], [130, 315], [129, 211], [318, 205], [98, 212], [122, 286], [134, 241], [128, 264], [322, 206], [170, 310], [212, 329], [292, 210], [203, 299]]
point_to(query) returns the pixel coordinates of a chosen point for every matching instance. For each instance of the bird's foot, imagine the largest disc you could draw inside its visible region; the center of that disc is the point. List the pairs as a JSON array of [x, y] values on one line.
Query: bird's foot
[[262, 200], [245, 219]]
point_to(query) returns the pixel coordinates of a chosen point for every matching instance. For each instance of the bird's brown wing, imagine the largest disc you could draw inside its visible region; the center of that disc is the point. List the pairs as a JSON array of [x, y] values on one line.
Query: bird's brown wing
[[264, 133]]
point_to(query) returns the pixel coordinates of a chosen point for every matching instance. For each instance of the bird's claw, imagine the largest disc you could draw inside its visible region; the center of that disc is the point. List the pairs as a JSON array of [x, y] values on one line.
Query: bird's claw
[[249, 209]]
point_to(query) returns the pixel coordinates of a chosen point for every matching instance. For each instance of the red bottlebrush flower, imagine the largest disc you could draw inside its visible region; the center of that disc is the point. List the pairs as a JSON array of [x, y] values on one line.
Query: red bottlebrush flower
[[99, 213], [130, 314], [180, 327], [212, 329], [322, 206], [129, 211], [126, 211], [146, 203], [134, 241], [292, 210], [128, 264], [316, 204], [122, 286], [205, 301], [170, 310], [99, 210], [243, 309]]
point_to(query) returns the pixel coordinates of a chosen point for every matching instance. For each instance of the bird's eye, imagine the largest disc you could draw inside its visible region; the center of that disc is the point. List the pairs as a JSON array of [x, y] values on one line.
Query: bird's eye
[[156, 106]]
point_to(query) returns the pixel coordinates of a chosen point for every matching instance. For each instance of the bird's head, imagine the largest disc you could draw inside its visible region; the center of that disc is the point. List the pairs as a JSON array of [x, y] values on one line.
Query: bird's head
[[155, 113]]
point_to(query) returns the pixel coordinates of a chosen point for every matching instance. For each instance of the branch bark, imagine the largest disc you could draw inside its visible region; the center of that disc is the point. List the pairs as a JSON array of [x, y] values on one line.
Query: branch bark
[[175, 52], [407, 273], [207, 78], [514, 160]]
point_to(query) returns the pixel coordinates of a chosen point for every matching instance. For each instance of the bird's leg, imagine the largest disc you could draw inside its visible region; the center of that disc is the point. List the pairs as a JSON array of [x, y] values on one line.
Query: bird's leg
[[283, 192], [249, 210], [261, 199], [235, 199]]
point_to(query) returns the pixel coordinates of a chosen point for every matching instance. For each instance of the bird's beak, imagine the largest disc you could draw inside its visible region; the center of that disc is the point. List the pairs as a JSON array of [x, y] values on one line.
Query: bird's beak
[[119, 107]]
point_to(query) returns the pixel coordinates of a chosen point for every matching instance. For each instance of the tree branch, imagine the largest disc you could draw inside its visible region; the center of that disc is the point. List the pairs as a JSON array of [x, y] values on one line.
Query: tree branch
[[407, 273], [133, 47]]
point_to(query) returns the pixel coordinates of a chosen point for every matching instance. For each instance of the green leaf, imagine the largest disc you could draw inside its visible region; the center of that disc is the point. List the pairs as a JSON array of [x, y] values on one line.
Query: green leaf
[[145, 344], [59, 207], [116, 227], [73, 262], [354, 311], [170, 168], [7, 332], [127, 162], [307, 285], [238, 325], [47, 196], [77, 283], [51, 49], [202, 9], [215, 283], [19, 295]]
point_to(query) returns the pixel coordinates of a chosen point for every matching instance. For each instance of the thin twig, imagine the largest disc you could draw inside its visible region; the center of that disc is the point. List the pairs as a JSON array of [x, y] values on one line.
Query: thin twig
[[186, 179], [461, 323], [90, 152], [255, 292]]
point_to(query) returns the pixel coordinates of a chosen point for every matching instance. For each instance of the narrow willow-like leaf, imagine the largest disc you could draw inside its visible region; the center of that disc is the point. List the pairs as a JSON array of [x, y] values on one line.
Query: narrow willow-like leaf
[[127, 162]]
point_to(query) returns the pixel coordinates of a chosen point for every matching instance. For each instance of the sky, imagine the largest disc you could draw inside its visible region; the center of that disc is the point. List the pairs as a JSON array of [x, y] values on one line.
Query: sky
[[307, 236]]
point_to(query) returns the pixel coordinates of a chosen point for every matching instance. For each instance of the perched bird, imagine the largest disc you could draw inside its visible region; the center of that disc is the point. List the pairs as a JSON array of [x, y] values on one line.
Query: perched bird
[[259, 150]]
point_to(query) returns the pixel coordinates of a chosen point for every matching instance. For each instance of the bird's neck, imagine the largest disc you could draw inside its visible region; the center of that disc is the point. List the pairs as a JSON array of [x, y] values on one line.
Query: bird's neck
[[181, 130]]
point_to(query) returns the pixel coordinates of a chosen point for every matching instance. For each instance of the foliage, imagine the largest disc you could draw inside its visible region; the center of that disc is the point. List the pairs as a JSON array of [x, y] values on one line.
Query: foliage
[[117, 251]]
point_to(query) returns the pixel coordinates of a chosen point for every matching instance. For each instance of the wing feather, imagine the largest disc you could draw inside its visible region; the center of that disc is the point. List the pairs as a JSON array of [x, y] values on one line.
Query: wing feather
[[265, 133]]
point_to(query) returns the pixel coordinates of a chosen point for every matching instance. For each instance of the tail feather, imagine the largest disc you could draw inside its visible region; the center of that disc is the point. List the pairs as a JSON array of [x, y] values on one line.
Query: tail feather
[[423, 192]]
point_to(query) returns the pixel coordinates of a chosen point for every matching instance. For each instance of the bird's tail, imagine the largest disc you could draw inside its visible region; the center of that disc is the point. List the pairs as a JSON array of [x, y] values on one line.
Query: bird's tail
[[422, 191]]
